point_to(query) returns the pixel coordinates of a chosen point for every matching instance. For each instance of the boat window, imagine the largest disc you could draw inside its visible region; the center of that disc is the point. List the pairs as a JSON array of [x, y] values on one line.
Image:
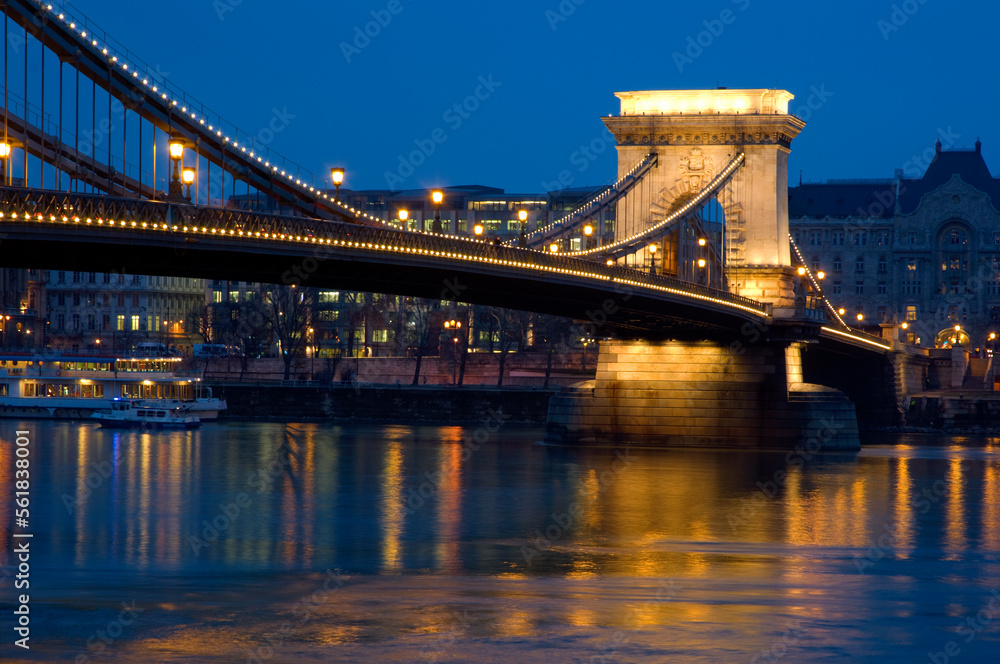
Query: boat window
[[161, 413]]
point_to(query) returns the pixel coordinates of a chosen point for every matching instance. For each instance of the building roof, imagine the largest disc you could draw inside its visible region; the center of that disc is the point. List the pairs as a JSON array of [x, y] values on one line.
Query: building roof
[[877, 198]]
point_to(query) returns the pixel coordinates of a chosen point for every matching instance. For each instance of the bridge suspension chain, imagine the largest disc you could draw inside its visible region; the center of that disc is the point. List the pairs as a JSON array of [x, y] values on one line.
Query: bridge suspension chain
[[143, 89], [641, 233]]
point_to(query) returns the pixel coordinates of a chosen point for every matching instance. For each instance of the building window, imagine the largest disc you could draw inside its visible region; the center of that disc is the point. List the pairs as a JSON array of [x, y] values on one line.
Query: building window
[[121, 322], [76, 299], [912, 265], [61, 321], [860, 239], [912, 287], [883, 238], [815, 238], [882, 265], [76, 322], [837, 288], [859, 288], [883, 289], [837, 238], [62, 278], [91, 322], [957, 237], [92, 278], [880, 314], [217, 297], [135, 279], [837, 264], [135, 323], [911, 312], [911, 239], [76, 277], [62, 299], [234, 297], [121, 299], [859, 265], [135, 299], [107, 278], [814, 264], [106, 322]]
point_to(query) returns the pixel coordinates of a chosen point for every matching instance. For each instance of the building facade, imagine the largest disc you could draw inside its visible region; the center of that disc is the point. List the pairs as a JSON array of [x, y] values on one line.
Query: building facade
[[112, 311], [925, 251]]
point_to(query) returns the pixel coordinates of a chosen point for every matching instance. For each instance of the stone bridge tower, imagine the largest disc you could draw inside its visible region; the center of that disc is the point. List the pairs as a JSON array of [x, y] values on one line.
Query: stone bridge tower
[[695, 134]]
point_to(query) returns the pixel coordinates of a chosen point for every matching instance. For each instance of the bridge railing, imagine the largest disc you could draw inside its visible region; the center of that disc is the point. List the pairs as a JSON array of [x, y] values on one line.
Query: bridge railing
[[132, 214]]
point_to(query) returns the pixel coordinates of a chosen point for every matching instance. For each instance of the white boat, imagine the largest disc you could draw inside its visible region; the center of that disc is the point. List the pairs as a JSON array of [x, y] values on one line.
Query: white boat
[[75, 385], [125, 414]]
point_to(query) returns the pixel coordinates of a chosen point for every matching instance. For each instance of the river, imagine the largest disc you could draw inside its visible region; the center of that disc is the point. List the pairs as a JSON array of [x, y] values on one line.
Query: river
[[294, 543]]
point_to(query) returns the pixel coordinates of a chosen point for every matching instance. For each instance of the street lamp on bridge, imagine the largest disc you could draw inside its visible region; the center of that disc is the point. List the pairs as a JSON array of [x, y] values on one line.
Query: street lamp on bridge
[[188, 178], [403, 215], [588, 233], [176, 148], [478, 229], [652, 259], [337, 175], [522, 216], [437, 196], [5, 150]]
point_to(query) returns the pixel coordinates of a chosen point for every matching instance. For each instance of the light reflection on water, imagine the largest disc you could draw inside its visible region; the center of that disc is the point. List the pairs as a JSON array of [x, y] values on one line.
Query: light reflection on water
[[517, 549]]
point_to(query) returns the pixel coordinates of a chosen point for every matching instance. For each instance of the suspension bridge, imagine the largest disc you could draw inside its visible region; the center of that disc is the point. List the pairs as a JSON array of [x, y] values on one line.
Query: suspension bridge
[[692, 259]]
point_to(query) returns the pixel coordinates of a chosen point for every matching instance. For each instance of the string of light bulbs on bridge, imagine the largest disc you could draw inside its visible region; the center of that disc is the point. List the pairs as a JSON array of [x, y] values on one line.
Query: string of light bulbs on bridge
[[232, 234]]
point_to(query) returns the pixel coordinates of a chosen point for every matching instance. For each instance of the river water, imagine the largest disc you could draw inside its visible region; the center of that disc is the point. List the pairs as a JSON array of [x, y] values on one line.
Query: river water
[[251, 542]]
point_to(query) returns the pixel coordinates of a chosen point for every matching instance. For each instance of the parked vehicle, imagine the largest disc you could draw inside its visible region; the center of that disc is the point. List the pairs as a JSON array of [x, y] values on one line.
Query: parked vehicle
[[150, 349], [206, 351]]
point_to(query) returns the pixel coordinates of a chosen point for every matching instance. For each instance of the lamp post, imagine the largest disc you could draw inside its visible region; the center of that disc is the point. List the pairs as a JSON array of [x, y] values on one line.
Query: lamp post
[[176, 190], [5, 151], [454, 325], [588, 234], [652, 259], [522, 216], [403, 216], [337, 175], [437, 196], [554, 248], [478, 229], [187, 176]]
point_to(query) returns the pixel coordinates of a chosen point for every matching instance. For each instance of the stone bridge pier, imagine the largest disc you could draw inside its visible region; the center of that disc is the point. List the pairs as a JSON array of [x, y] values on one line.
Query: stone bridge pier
[[728, 393]]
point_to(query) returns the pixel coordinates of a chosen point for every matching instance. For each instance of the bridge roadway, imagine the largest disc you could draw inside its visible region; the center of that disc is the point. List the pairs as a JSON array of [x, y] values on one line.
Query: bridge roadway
[[61, 231]]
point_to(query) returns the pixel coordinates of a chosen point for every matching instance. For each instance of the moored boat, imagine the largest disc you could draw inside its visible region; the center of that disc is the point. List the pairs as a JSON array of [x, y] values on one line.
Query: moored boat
[[68, 385], [125, 414]]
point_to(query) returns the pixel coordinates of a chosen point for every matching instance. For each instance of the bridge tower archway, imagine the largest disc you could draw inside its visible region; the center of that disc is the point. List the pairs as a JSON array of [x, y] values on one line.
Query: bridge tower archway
[[695, 135]]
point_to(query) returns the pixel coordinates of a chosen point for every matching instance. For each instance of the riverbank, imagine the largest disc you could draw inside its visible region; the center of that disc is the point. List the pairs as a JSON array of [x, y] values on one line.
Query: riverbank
[[374, 403]]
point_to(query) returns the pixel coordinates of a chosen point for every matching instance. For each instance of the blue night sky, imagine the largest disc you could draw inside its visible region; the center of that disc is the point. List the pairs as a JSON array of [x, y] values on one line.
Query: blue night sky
[[885, 79]]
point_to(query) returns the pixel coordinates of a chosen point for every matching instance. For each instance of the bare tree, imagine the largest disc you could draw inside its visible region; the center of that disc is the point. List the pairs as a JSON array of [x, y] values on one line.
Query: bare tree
[[553, 334], [507, 331], [418, 327], [287, 309]]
